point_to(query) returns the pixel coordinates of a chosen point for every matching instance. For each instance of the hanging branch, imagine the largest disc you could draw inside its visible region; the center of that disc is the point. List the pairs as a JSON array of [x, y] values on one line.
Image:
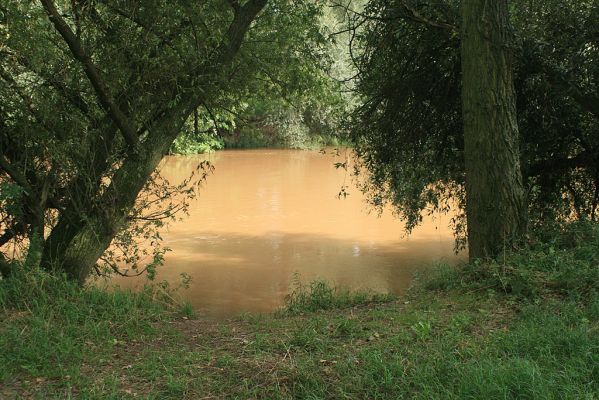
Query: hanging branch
[[102, 92]]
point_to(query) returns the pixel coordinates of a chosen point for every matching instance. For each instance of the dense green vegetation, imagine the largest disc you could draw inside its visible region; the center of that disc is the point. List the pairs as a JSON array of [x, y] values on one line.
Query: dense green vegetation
[[524, 326], [89, 112], [300, 108], [409, 130], [484, 108], [93, 95]]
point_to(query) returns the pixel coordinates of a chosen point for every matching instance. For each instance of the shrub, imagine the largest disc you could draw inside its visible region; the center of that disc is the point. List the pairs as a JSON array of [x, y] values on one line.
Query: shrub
[[560, 260]]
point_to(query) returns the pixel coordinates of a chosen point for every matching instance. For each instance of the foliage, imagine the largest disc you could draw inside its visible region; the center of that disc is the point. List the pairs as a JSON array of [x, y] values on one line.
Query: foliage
[[465, 337], [561, 260], [283, 128], [407, 129], [93, 94], [200, 132], [250, 137], [11, 198], [191, 144], [139, 248], [312, 105], [299, 106]]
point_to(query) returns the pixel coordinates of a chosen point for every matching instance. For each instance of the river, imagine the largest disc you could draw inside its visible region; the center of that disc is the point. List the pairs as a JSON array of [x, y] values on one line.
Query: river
[[265, 215]]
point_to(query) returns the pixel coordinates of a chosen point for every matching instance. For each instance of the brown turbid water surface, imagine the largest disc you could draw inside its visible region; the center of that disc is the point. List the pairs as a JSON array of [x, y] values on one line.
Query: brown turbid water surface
[[264, 215]]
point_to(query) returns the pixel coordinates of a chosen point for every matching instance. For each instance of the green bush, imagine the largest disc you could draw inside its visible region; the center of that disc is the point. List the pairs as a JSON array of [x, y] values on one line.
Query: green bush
[[189, 144], [559, 260], [251, 137]]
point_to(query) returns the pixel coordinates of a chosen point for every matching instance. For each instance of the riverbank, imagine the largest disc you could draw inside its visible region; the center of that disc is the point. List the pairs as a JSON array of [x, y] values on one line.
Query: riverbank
[[525, 327], [255, 138]]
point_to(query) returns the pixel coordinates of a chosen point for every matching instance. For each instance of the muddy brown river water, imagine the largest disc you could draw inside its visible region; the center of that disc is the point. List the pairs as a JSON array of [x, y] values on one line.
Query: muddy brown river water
[[264, 215]]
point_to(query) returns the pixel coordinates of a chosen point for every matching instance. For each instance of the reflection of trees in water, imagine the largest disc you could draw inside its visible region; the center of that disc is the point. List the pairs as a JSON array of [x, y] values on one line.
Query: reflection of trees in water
[[265, 214], [233, 273]]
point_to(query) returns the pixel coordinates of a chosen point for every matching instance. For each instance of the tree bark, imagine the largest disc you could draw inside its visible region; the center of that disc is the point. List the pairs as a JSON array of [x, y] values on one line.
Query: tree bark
[[90, 237], [79, 240], [495, 197]]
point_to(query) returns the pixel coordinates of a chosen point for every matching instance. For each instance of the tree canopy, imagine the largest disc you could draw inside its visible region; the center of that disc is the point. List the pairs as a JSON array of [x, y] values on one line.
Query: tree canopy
[[93, 94], [408, 128]]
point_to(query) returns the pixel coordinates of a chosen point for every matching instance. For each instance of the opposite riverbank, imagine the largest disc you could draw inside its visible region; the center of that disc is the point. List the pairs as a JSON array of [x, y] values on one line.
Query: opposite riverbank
[[526, 326]]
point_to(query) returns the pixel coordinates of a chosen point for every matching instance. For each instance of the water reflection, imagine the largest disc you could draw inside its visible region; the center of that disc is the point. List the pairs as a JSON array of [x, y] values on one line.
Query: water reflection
[[266, 214]]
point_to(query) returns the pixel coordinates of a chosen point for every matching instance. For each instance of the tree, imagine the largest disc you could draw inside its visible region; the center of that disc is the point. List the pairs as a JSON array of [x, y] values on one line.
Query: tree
[[408, 128], [93, 95], [274, 112], [495, 202]]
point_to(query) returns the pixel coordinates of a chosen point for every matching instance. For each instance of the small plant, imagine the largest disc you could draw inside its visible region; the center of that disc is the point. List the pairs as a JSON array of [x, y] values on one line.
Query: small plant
[[305, 339], [422, 329], [186, 310], [439, 276], [320, 295], [346, 328]]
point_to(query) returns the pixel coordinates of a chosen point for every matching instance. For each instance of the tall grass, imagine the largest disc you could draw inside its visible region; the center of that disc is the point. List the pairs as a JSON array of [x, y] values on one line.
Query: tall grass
[[321, 295], [49, 322], [560, 260]]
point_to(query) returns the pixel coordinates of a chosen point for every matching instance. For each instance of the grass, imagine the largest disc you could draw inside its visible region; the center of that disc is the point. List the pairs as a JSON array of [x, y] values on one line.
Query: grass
[[525, 327], [320, 295]]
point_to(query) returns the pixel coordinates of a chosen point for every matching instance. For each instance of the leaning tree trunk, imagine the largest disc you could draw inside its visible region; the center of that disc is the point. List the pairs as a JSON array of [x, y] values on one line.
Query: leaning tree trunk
[[78, 241], [495, 199], [76, 244]]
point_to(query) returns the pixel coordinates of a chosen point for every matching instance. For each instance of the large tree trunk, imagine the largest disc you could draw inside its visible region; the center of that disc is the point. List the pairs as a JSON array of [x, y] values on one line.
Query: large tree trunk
[[495, 198], [75, 244]]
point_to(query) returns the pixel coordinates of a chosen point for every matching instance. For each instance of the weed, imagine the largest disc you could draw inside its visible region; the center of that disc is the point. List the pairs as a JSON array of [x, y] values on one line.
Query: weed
[[186, 310], [345, 327], [320, 295], [422, 329]]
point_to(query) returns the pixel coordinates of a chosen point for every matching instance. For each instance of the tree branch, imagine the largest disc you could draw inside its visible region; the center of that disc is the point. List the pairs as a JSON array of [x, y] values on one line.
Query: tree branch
[[558, 78], [558, 165], [238, 28], [26, 100], [15, 174], [102, 92], [71, 95], [234, 4], [409, 13], [413, 14], [10, 233], [586, 101]]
